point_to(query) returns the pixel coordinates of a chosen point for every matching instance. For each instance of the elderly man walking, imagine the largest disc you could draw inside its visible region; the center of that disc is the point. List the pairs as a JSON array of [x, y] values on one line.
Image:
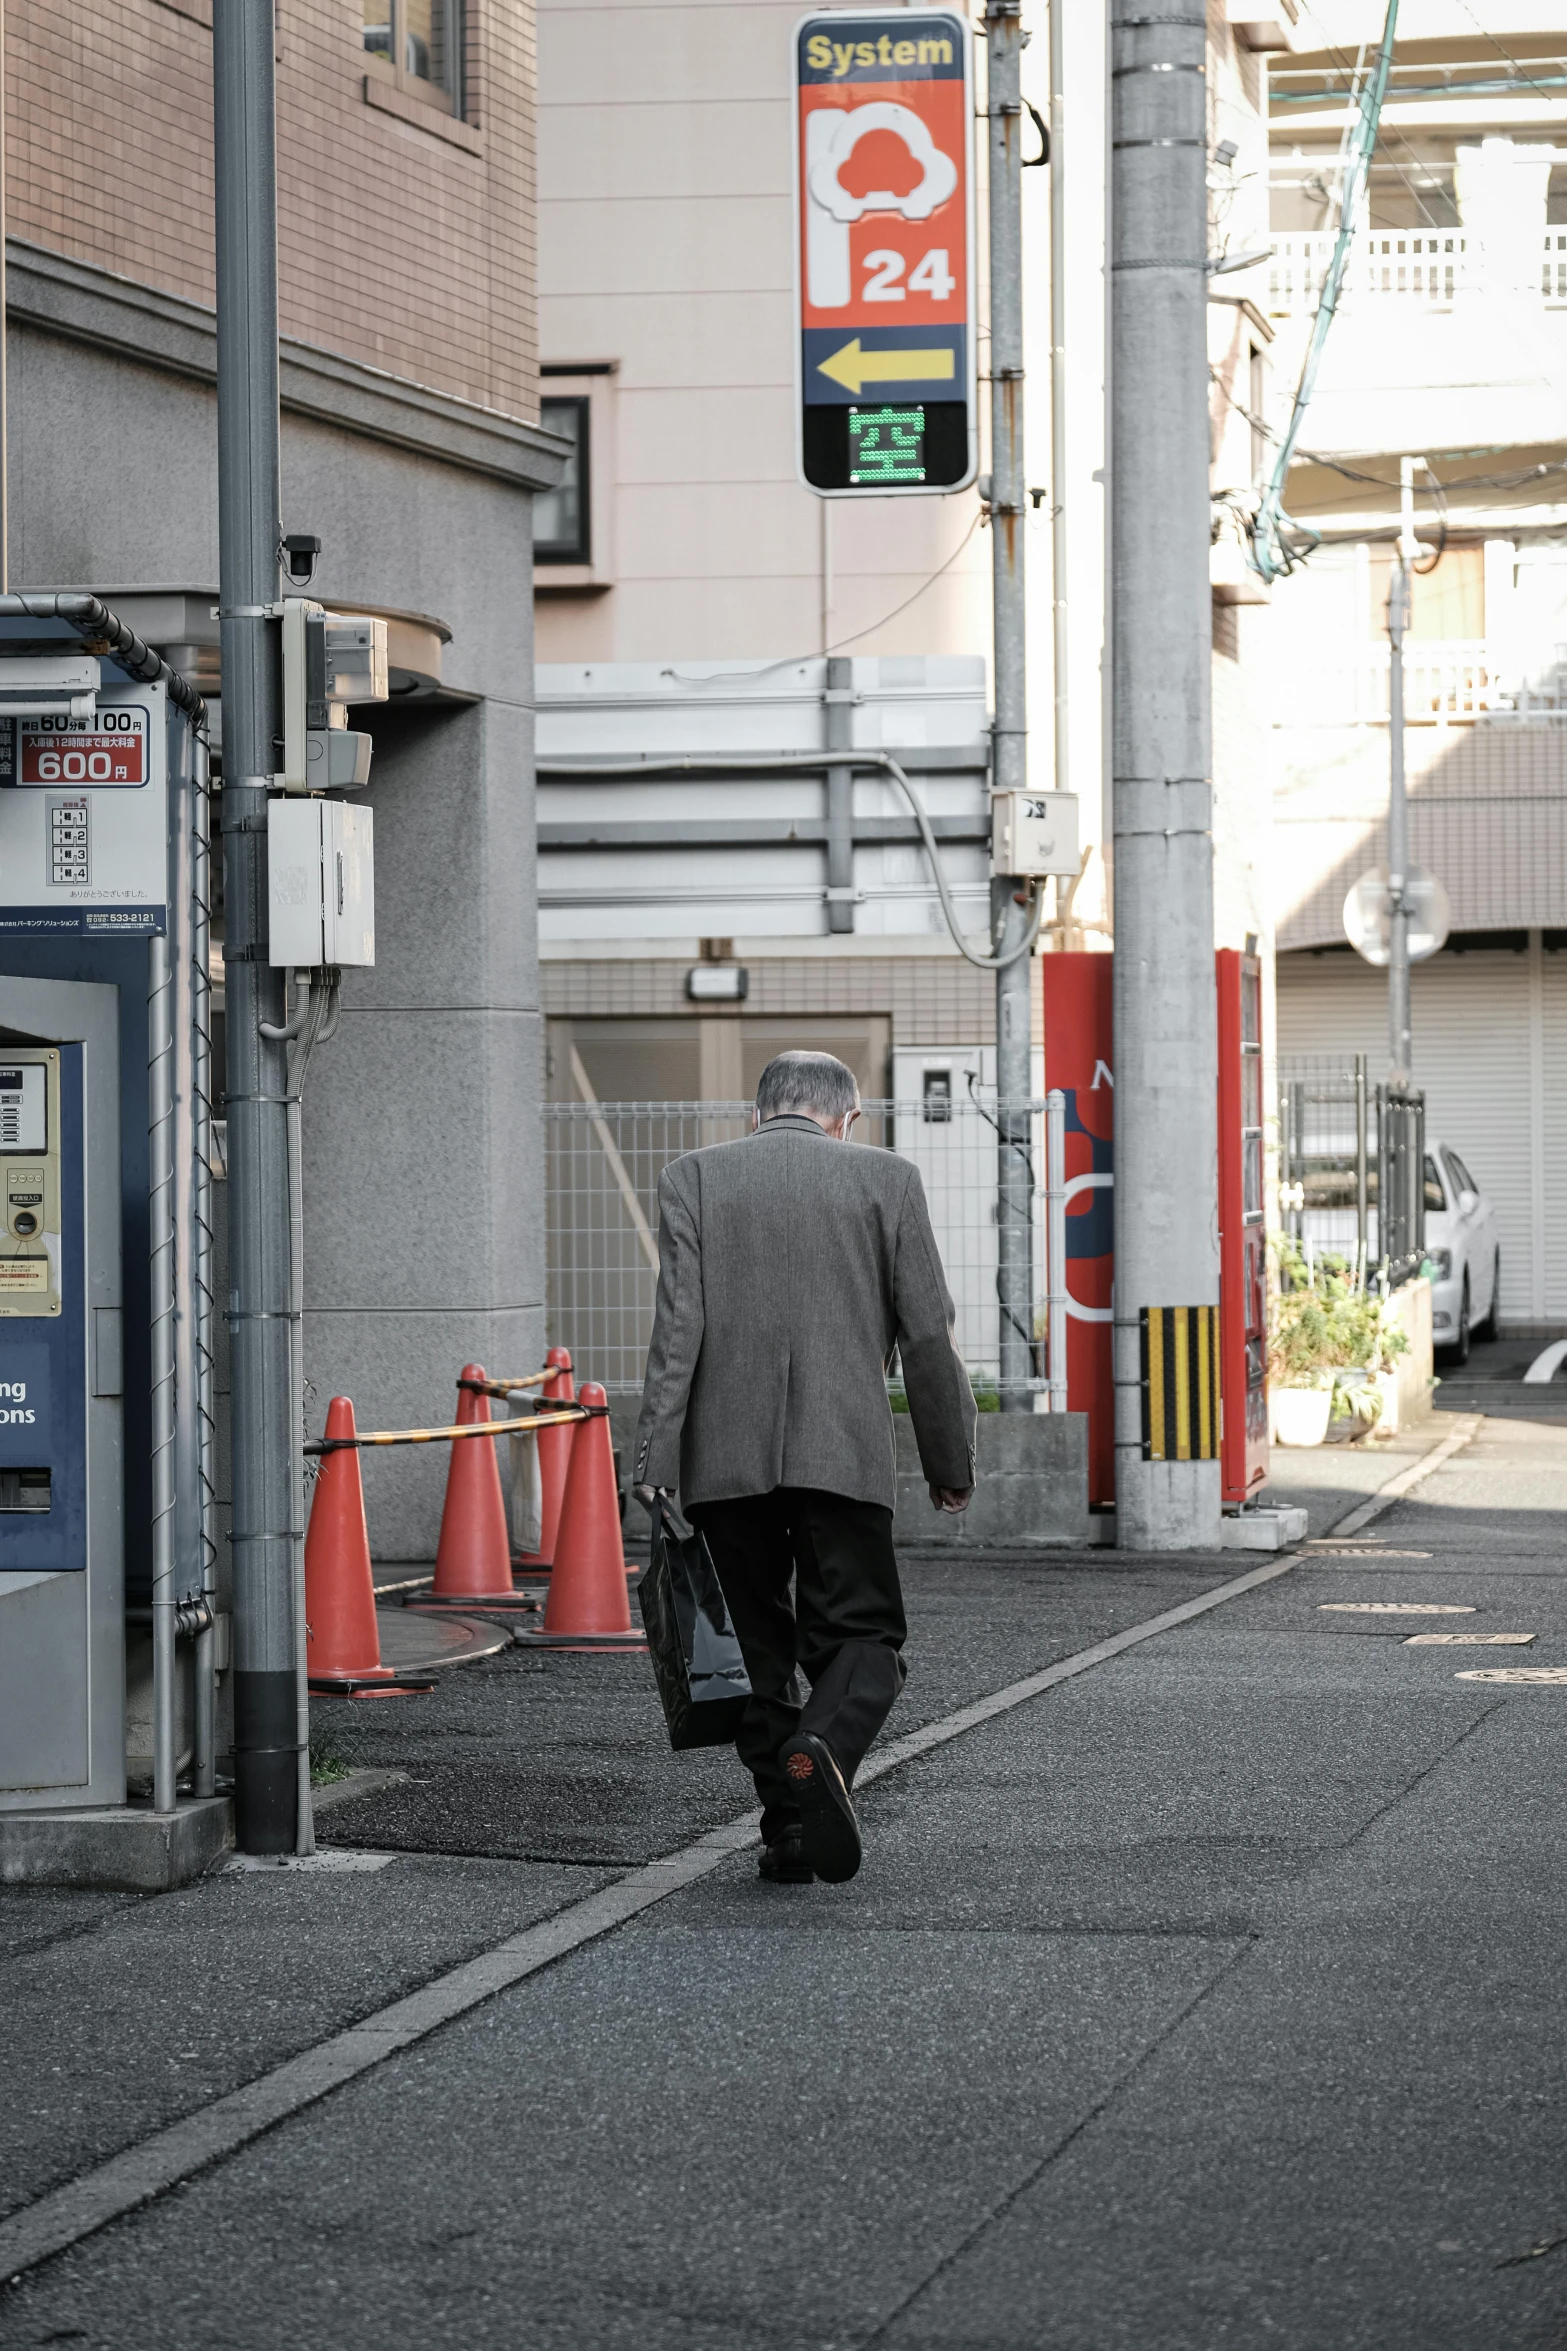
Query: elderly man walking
[[790, 1267]]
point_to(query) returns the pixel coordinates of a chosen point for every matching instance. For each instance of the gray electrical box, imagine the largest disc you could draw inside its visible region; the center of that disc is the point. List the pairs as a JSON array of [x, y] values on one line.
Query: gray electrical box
[[320, 883]]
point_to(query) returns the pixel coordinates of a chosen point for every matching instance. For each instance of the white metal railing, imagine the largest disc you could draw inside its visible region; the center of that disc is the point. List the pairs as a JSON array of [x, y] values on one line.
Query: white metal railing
[[1447, 680], [602, 1165], [1428, 267]]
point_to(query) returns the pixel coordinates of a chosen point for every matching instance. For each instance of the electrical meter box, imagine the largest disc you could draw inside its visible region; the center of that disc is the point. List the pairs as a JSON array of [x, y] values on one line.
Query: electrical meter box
[[1034, 833], [320, 883]]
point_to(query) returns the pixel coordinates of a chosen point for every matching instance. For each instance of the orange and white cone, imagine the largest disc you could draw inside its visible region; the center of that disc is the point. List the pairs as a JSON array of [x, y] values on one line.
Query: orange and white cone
[[588, 1606], [342, 1640], [473, 1560]]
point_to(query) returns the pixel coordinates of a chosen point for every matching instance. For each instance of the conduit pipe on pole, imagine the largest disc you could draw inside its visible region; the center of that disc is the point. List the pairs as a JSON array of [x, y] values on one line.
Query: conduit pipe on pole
[[1010, 913], [265, 1424], [1166, 1110]]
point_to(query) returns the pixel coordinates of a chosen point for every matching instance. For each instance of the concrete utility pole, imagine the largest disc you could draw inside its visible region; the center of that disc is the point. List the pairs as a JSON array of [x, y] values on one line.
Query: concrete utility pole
[[1398, 1021], [1060, 640], [1166, 1108], [1009, 765], [266, 1633]]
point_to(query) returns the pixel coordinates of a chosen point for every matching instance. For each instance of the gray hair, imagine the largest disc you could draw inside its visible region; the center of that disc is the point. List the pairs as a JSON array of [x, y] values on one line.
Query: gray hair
[[803, 1084]]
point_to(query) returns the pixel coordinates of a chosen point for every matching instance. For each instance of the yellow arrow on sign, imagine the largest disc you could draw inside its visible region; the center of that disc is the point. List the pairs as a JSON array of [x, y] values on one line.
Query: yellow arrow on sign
[[854, 368]]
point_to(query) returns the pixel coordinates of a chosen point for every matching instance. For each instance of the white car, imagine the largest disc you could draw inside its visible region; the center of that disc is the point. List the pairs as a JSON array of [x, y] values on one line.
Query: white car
[[1463, 1254]]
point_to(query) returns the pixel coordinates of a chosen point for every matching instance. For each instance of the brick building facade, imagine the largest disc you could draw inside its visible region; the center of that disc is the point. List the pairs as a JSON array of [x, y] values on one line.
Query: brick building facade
[[405, 231], [410, 446]]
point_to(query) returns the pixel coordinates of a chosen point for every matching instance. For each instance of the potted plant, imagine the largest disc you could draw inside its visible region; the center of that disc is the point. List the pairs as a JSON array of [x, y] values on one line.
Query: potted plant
[[1331, 1349]]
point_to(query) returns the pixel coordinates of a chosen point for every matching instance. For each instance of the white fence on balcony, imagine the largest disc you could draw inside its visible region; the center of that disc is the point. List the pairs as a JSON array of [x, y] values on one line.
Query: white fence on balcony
[[1425, 267], [1447, 680]]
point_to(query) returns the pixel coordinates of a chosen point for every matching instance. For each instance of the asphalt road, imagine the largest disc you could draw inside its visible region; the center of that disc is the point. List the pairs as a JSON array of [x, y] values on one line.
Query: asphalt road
[[1212, 1997]]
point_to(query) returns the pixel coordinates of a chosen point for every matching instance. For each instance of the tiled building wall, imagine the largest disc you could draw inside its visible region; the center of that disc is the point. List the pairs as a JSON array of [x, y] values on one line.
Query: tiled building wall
[[931, 1000], [399, 246]]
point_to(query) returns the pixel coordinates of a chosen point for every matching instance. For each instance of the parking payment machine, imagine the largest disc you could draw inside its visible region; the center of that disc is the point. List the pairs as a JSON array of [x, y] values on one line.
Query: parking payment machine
[[98, 748], [61, 1554]]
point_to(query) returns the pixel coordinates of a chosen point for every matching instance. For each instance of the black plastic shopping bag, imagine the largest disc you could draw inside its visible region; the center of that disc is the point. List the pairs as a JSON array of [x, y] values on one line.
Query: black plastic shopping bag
[[701, 1674]]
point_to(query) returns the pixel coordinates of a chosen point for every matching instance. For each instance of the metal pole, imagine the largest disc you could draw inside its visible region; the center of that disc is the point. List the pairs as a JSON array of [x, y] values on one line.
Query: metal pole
[[1166, 1043], [160, 1222], [1398, 1029], [204, 1767], [265, 1430], [188, 1551], [1055, 1241], [1362, 1188], [838, 729], [1009, 767]]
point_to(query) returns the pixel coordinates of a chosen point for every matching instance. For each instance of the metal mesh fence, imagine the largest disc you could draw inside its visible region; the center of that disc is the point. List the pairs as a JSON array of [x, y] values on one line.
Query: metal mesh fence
[[1345, 1146], [603, 1162]]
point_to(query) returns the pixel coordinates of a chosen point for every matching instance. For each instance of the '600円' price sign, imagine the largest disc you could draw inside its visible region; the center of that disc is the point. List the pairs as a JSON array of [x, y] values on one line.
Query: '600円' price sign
[[107, 750]]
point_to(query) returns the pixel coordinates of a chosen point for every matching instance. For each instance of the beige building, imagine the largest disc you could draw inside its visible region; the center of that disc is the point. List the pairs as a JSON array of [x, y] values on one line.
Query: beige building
[[689, 589]]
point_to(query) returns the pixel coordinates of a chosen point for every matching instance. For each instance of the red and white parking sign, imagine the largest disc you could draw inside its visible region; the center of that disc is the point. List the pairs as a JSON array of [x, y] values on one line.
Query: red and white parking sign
[[884, 176]]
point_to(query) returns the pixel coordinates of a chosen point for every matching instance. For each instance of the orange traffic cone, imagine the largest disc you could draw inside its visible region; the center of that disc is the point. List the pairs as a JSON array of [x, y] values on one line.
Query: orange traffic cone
[[587, 1606], [554, 1455], [342, 1643], [473, 1560]]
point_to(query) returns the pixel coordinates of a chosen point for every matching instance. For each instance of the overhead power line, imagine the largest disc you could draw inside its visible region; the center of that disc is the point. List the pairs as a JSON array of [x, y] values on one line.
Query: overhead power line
[[1269, 553]]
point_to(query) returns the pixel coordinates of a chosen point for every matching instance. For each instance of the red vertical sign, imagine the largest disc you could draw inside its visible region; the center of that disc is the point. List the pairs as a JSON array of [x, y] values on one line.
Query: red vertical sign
[[1080, 1059]]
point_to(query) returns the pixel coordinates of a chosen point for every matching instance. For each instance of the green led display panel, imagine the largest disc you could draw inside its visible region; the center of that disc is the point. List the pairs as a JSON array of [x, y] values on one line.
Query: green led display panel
[[886, 445], [907, 445]]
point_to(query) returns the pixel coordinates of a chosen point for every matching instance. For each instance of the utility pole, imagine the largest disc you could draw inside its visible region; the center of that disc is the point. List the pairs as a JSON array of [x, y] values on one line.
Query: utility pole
[[1060, 643], [1166, 1110], [266, 1632], [1398, 1022], [1009, 911]]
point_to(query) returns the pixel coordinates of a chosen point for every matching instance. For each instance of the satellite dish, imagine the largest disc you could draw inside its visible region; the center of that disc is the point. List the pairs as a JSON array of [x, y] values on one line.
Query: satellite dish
[[1368, 915]]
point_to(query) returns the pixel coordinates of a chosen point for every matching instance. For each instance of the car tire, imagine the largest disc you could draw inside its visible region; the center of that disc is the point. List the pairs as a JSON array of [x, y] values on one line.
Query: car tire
[[1458, 1352], [1487, 1329]]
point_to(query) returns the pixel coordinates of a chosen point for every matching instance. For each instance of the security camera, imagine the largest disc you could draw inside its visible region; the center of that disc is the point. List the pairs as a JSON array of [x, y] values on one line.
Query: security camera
[[301, 552]]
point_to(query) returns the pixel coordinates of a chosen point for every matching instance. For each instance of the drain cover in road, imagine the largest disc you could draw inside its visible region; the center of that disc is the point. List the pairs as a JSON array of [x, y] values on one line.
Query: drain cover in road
[[1469, 1640], [1515, 1673], [1395, 1608]]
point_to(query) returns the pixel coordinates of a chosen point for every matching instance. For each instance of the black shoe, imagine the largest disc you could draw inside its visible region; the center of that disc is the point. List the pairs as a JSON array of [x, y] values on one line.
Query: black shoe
[[829, 1832], [783, 1863]]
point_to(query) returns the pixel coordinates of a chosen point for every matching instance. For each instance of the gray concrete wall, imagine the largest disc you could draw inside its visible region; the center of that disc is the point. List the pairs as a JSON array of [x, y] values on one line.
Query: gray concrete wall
[[423, 1182], [1031, 1489]]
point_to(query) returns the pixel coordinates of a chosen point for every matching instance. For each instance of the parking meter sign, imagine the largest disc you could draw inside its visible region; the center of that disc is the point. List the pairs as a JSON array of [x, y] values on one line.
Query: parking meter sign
[[884, 252]]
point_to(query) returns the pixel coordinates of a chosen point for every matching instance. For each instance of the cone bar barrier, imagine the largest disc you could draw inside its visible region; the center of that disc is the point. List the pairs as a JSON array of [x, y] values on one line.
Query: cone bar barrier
[[588, 1607], [554, 1460], [494, 1428], [342, 1642]]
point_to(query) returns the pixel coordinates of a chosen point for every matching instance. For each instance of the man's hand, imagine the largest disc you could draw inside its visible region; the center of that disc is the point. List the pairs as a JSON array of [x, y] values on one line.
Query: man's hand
[[951, 1499], [648, 1496]]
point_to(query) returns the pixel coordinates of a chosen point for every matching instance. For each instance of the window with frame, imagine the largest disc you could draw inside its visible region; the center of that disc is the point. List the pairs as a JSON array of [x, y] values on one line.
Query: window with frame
[[562, 520], [417, 45]]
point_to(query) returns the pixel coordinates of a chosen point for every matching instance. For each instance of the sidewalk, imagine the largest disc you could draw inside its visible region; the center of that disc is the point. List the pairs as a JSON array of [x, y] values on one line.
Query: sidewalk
[[1211, 1996]]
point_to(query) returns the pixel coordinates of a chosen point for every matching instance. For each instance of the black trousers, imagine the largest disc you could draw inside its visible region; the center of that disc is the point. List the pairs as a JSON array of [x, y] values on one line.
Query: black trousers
[[843, 1626]]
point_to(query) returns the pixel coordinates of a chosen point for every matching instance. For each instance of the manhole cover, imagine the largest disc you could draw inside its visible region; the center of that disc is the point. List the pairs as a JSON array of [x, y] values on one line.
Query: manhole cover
[[1556, 1674], [1469, 1640], [1395, 1608]]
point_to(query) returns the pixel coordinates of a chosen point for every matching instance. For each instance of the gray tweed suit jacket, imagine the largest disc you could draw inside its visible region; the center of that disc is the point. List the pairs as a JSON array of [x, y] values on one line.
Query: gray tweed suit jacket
[[790, 1266]]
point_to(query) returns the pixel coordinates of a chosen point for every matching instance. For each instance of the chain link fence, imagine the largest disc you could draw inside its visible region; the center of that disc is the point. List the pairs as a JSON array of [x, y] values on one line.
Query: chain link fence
[[603, 1161]]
